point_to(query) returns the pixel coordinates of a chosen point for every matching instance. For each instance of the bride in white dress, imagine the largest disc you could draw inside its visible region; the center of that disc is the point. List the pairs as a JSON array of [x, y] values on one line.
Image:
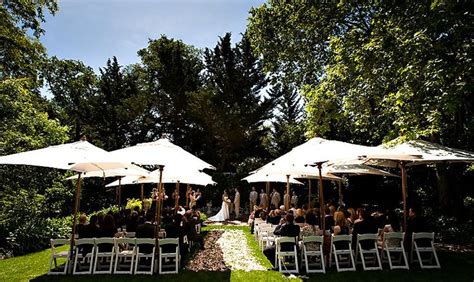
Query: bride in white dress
[[223, 214]]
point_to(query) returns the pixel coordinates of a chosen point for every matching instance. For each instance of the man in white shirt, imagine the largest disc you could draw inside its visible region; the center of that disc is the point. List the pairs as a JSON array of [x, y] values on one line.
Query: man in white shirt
[[253, 198]]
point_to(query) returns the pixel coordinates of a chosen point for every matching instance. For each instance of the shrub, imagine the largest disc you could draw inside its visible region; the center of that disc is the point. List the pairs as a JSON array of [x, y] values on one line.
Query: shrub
[[132, 203]]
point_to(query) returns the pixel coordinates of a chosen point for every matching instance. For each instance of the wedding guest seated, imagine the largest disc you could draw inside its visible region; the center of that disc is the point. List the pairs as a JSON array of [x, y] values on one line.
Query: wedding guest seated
[[81, 226], [91, 230], [379, 218], [286, 228], [282, 211], [107, 229], [300, 216], [146, 230], [415, 224], [340, 228], [364, 225], [176, 230], [329, 218], [189, 224], [351, 217], [132, 223], [274, 217], [310, 228]]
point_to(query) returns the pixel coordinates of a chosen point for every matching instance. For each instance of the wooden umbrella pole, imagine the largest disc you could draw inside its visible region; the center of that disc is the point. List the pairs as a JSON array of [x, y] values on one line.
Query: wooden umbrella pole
[[267, 191], [321, 198], [158, 204], [404, 194], [176, 197], [76, 208], [287, 200], [340, 193], [187, 195], [309, 194], [120, 192], [141, 192]]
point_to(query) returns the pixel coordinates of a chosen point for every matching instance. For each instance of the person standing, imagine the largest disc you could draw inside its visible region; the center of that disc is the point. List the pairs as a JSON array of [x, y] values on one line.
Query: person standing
[[275, 198], [237, 202], [294, 200], [286, 200], [253, 199], [263, 199]]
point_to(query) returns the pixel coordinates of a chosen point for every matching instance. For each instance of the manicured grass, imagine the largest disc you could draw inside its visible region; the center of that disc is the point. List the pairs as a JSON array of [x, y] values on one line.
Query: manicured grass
[[26, 267], [455, 267]]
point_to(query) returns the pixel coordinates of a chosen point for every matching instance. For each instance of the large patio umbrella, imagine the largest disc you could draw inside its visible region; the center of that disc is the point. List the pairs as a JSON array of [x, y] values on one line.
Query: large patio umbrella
[[133, 170], [315, 152], [348, 168], [416, 152], [162, 153], [80, 156]]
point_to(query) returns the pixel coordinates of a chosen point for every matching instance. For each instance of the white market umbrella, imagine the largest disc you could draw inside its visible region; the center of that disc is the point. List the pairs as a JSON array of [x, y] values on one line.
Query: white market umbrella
[[133, 170], [164, 154], [416, 152], [261, 177], [80, 156], [315, 152]]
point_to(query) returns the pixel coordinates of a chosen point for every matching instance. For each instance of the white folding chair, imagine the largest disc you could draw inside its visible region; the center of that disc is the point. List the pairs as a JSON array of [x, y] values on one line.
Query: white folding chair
[[283, 257], [125, 252], [368, 252], [163, 256], [264, 235], [104, 255], [429, 250], [84, 257], [313, 249], [55, 255], [198, 228], [130, 234], [342, 256], [393, 250], [141, 264]]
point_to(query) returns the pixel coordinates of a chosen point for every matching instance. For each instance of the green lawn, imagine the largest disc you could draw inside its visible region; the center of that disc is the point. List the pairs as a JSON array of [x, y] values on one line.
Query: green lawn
[[455, 267]]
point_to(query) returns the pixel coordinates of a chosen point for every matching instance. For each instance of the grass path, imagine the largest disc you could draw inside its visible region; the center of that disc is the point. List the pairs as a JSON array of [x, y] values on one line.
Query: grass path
[[455, 267]]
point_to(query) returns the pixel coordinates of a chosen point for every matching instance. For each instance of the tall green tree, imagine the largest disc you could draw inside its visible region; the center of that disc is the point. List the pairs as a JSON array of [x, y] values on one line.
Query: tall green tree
[[288, 128], [230, 108], [21, 54], [171, 70], [73, 85], [372, 72]]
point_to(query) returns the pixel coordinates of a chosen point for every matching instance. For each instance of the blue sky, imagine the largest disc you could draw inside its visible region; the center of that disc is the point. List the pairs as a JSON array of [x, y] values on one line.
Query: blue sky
[[94, 30]]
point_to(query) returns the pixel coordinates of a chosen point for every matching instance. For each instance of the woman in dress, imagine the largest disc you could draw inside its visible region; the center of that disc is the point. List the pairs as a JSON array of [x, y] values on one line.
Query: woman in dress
[[223, 214]]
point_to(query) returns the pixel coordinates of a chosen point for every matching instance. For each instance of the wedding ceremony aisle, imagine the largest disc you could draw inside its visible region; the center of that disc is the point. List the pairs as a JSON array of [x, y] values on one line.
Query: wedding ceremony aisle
[[232, 254]]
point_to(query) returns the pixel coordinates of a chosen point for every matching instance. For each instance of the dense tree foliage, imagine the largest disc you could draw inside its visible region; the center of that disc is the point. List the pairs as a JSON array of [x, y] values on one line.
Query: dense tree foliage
[[229, 107], [372, 72], [288, 129]]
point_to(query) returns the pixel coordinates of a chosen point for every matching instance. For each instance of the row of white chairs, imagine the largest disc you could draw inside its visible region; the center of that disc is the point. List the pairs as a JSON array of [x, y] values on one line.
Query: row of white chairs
[[115, 255], [367, 252]]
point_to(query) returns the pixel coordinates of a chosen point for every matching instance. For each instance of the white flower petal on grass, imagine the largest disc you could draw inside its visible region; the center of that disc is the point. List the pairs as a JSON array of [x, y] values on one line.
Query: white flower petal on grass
[[237, 254]]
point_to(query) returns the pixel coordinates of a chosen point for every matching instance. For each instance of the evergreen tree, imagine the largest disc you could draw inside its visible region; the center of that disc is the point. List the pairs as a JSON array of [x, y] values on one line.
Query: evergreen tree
[[230, 108], [288, 130]]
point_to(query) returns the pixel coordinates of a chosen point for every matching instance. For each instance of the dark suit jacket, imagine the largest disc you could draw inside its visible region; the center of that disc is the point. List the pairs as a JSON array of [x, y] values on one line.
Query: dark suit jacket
[[366, 226], [287, 230], [146, 230]]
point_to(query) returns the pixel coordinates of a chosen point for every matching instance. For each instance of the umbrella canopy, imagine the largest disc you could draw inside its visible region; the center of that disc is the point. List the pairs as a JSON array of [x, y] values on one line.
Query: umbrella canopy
[[132, 170], [356, 169], [416, 152], [316, 150], [80, 156], [160, 152], [262, 177], [194, 178]]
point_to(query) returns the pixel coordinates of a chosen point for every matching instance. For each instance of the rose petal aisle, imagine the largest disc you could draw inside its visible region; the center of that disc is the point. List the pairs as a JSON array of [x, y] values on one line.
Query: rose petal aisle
[[237, 254], [224, 250]]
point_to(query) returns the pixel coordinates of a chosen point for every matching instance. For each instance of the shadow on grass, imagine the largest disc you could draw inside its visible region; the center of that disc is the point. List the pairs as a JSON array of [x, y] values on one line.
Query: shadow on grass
[[183, 275]]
